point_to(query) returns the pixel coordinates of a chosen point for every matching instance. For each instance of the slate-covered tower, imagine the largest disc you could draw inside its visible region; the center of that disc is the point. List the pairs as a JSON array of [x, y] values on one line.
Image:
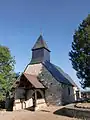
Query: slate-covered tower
[[40, 51]]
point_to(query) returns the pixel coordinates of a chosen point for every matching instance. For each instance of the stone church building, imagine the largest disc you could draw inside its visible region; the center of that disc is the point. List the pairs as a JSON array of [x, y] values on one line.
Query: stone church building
[[42, 83]]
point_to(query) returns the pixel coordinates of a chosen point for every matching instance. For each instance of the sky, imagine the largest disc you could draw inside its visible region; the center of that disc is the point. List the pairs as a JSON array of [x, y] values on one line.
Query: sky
[[22, 21]]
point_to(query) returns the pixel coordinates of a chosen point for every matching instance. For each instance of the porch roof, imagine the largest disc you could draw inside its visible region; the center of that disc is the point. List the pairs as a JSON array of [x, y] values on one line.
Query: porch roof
[[33, 80]]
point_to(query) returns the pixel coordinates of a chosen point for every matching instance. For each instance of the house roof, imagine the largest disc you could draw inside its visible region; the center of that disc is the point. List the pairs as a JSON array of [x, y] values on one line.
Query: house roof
[[33, 80], [40, 43], [56, 73]]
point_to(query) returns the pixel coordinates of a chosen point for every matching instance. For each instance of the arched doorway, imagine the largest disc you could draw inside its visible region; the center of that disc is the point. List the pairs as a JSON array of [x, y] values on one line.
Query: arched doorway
[[39, 95], [38, 99]]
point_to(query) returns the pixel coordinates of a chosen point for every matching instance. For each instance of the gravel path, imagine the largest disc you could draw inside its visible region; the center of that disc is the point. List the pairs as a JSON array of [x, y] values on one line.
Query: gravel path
[[37, 115]]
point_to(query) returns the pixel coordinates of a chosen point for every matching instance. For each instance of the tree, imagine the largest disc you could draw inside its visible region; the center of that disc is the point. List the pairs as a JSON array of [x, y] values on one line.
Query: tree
[[6, 71], [80, 53]]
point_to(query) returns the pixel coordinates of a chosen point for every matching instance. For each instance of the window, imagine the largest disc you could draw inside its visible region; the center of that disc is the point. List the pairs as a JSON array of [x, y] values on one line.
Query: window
[[68, 91], [77, 95]]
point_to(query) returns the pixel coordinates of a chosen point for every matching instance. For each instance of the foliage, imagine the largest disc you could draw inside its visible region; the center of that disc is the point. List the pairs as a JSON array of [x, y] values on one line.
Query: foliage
[[80, 53], [6, 71]]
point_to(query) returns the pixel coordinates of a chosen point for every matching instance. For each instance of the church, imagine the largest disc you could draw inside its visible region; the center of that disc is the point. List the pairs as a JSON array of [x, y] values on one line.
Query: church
[[43, 83]]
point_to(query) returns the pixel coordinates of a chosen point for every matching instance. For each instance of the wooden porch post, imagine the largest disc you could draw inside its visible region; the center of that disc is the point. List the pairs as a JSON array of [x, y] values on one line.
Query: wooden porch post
[[35, 98]]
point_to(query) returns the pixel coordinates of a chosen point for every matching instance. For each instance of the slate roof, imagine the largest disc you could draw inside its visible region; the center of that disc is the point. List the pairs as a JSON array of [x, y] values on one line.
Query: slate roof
[[40, 43], [33, 80], [56, 73], [66, 76]]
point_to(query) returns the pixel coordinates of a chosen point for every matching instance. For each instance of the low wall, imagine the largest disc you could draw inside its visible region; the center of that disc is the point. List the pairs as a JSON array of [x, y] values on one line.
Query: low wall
[[26, 104], [40, 101], [78, 113], [40, 104], [74, 112]]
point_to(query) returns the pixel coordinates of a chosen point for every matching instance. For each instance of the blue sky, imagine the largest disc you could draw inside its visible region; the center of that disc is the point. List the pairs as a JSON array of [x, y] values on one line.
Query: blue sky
[[22, 21]]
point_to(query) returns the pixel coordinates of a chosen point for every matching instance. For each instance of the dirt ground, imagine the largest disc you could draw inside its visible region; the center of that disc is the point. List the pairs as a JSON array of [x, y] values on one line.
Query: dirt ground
[[46, 114]]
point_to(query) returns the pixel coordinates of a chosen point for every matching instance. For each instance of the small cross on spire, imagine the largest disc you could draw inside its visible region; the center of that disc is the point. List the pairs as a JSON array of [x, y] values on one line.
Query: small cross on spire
[[41, 33]]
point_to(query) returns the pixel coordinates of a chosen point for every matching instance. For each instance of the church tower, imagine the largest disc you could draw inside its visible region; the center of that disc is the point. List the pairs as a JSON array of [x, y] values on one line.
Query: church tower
[[40, 51]]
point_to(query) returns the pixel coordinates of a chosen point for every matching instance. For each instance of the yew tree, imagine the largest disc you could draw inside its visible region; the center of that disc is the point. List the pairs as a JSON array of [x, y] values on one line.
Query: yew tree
[[80, 53]]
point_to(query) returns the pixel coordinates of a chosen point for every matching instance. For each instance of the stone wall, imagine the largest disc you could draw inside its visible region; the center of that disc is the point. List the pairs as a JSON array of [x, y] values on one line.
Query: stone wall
[[67, 94], [56, 92], [53, 93]]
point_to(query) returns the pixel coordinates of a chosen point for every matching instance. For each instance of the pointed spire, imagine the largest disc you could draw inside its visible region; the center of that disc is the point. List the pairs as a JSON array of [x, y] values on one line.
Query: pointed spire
[[40, 43]]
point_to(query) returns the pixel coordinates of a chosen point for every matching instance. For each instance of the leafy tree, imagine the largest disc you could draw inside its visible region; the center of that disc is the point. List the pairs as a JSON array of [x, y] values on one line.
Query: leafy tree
[[80, 53], [6, 71]]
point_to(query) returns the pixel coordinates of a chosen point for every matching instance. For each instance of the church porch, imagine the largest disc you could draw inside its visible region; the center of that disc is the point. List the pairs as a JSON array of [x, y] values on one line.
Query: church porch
[[29, 93]]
